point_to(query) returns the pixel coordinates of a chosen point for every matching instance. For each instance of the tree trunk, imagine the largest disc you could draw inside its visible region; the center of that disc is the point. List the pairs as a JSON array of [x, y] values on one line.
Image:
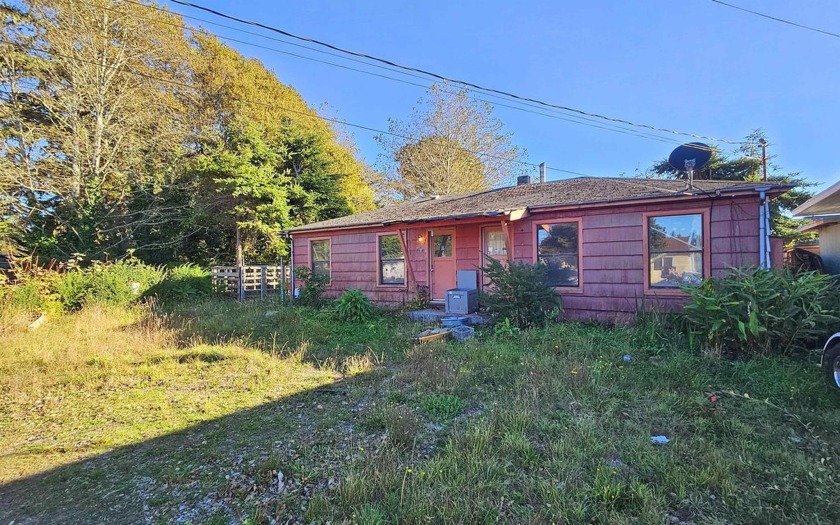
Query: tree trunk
[[240, 260], [240, 264]]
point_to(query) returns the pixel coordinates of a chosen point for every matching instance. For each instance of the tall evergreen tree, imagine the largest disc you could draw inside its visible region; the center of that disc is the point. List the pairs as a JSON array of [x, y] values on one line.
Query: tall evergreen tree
[[745, 164], [246, 175]]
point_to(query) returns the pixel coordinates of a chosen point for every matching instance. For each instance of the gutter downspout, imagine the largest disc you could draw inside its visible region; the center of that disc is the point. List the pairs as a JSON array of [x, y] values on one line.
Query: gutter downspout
[[291, 267], [763, 228], [767, 229]]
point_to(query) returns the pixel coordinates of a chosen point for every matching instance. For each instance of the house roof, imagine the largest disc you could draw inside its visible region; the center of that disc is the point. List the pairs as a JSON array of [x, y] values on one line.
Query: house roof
[[826, 202], [502, 201], [819, 224]]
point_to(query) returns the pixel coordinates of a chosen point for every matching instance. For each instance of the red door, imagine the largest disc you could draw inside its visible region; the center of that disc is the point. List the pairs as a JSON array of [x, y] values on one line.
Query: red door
[[442, 243]]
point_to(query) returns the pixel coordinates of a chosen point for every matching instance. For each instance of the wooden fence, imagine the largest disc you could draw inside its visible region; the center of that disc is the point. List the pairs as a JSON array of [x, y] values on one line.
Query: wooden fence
[[252, 281]]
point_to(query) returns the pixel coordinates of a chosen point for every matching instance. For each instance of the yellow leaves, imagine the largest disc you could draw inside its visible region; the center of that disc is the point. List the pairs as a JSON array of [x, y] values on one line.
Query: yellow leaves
[[235, 87]]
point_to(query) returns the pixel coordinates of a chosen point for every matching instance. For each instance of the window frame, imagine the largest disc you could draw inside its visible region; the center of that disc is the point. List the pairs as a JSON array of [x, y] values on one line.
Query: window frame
[[705, 254], [482, 242], [535, 226], [379, 282], [312, 260]]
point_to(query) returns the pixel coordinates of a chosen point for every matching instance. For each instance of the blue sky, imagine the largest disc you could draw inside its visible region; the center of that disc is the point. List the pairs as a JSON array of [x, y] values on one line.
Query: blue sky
[[690, 65]]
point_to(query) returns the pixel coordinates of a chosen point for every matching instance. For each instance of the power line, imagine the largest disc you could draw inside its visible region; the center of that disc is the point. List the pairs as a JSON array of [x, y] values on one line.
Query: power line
[[274, 106], [776, 19], [445, 78], [584, 121]]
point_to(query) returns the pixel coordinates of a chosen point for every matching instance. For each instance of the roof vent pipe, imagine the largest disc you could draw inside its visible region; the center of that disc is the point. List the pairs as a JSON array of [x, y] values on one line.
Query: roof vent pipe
[[523, 179], [542, 172]]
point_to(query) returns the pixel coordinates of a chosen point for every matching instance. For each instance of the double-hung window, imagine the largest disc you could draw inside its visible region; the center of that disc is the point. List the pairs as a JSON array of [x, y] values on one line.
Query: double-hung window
[[319, 257], [391, 260]]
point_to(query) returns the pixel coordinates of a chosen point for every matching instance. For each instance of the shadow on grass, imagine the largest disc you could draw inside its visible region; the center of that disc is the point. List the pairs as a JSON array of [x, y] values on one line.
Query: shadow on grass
[[225, 468], [222, 469], [283, 330]]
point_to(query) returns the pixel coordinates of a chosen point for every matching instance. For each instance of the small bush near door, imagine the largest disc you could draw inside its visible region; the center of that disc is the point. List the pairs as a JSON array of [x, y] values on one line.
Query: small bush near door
[[752, 311], [353, 306], [520, 293]]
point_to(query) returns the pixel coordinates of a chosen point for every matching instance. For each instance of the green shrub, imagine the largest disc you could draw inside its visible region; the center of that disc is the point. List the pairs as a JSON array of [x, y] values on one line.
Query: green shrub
[[751, 311], [505, 329], [31, 295], [313, 286], [521, 294], [118, 283], [187, 282], [122, 282], [353, 306], [442, 406], [72, 289]]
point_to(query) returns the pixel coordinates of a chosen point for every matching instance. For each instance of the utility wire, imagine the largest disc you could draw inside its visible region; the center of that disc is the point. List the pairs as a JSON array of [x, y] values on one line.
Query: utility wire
[[776, 19], [445, 78], [274, 106], [634, 181], [565, 116]]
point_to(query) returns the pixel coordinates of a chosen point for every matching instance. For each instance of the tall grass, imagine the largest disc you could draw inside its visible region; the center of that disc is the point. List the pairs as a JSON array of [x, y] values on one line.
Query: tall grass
[[539, 426]]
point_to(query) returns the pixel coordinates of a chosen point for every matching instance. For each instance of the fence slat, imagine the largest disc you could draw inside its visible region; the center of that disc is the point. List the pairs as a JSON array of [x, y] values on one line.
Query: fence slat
[[262, 280]]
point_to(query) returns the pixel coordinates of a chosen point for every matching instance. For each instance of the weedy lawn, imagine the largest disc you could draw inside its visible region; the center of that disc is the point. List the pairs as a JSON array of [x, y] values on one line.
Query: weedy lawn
[[217, 413]]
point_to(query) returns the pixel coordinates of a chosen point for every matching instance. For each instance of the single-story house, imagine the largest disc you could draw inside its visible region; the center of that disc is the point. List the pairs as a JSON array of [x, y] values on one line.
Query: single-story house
[[824, 210], [612, 245]]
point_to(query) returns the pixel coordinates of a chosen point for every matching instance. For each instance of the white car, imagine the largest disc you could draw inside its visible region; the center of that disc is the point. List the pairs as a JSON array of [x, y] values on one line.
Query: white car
[[830, 362]]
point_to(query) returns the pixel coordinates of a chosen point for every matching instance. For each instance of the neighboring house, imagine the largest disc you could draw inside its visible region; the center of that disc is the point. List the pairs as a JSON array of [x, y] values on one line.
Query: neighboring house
[[824, 209], [612, 245]]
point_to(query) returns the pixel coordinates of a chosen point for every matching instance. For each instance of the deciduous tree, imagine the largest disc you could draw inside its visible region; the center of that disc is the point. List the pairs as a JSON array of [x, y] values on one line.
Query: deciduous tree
[[452, 144], [93, 113]]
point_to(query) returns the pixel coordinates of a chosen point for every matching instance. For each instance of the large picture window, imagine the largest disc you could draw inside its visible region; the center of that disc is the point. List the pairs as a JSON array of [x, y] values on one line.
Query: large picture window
[[391, 260], [675, 250], [319, 257], [558, 248]]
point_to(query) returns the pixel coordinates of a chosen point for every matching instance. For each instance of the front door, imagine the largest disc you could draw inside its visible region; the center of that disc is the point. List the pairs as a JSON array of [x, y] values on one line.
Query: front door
[[442, 244]]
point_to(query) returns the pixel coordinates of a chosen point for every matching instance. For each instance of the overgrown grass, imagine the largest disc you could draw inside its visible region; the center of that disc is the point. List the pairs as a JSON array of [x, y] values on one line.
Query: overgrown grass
[[192, 413], [561, 426]]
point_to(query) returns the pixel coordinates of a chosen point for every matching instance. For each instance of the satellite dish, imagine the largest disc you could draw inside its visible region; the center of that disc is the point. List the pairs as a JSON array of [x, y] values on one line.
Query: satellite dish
[[690, 157], [693, 155]]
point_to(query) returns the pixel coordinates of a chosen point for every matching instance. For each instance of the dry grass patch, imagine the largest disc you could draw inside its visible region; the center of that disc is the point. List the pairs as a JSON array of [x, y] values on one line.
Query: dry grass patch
[[102, 379]]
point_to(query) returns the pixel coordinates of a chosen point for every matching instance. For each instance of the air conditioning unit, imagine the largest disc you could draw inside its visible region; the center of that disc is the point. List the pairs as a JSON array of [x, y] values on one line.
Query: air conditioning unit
[[463, 299]]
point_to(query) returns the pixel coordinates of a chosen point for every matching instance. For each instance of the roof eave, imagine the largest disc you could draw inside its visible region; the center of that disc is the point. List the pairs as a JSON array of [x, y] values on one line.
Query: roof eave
[[772, 189], [802, 211]]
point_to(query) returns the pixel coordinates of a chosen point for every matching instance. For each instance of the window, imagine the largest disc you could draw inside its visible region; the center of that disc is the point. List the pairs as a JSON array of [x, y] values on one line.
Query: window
[[558, 249], [320, 257], [494, 243], [675, 250], [442, 245], [391, 260]]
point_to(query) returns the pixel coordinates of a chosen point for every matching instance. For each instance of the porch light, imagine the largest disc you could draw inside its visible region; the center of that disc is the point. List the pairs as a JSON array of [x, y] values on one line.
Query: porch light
[[421, 238]]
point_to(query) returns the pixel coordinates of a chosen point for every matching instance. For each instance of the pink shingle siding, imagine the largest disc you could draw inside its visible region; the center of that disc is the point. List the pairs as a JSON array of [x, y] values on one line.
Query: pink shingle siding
[[612, 258]]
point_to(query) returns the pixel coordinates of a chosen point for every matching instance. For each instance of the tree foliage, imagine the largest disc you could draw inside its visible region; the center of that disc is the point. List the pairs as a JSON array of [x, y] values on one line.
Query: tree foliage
[[452, 144], [247, 187], [124, 131], [80, 131], [745, 164]]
